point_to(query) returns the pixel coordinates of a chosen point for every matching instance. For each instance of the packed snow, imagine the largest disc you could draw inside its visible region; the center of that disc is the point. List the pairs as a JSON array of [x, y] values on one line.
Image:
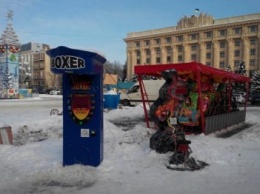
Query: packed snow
[[33, 164]]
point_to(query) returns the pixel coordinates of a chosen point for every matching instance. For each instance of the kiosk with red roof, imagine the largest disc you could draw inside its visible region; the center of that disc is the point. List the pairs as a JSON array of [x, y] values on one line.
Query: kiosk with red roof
[[208, 89]]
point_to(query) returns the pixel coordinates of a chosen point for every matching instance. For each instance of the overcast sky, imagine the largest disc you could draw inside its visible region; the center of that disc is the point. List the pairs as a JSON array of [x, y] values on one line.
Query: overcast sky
[[102, 25]]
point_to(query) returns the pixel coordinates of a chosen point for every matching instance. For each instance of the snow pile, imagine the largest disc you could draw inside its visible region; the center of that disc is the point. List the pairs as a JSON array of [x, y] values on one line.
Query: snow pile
[[34, 163]]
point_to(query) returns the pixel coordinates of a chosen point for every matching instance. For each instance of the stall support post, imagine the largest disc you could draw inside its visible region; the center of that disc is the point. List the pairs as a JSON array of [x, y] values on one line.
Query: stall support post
[[229, 95], [202, 116], [247, 91], [143, 93]]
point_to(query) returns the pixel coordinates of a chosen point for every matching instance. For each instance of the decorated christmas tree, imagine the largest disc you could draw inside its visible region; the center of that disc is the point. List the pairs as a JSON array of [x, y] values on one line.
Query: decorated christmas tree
[[9, 48]]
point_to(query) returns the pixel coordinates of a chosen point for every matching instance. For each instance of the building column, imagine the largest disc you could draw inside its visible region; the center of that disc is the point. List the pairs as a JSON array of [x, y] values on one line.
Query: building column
[[153, 55], [186, 49], [130, 64], [246, 52], [216, 54], [174, 54], [202, 53], [163, 54], [142, 56], [230, 54]]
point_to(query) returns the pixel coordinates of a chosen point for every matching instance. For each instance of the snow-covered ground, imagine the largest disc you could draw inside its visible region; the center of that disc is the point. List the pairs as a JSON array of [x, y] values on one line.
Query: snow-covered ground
[[34, 163]]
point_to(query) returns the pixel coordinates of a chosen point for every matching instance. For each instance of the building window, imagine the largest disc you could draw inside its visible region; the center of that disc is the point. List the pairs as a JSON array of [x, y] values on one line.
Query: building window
[[158, 51], [252, 62], [222, 54], [252, 28], [222, 44], [252, 41], [180, 48], [168, 59], [147, 43], [158, 59], [209, 34], [137, 61], [168, 40], [148, 60], [252, 52], [208, 55], [222, 64], [237, 42], [179, 38], [169, 50], [193, 57], [236, 63], [137, 44], [208, 64], [237, 53], [237, 31], [222, 32], [41, 55], [193, 47], [194, 36], [147, 51], [157, 41], [179, 58], [138, 53], [208, 45]]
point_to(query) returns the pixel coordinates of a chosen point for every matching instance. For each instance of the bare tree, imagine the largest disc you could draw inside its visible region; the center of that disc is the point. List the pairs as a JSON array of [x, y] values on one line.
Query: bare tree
[[114, 68], [124, 73], [54, 80]]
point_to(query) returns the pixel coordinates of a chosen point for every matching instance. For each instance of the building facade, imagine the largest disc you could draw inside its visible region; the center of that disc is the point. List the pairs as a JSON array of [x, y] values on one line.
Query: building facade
[[26, 62], [35, 70], [220, 43]]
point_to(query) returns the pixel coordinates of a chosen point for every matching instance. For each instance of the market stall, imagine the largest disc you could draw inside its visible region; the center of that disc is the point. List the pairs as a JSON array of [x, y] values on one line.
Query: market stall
[[208, 90]]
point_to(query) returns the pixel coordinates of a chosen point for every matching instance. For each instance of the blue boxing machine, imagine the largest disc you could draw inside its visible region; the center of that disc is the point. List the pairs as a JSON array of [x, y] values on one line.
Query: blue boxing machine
[[82, 81]]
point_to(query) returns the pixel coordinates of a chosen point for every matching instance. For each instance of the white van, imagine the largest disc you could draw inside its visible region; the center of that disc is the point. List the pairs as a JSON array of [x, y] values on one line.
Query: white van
[[133, 96]]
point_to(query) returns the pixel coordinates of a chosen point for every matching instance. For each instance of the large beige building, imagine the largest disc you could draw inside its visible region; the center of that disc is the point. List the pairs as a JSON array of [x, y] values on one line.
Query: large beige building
[[220, 43]]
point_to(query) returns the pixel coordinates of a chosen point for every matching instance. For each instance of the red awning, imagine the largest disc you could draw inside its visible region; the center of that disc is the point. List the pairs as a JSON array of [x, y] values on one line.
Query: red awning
[[190, 70]]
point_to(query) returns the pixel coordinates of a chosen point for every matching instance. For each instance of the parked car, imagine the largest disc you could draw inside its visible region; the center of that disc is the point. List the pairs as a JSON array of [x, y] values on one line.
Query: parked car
[[250, 96], [47, 91], [35, 91], [133, 96], [55, 92], [239, 98], [255, 98]]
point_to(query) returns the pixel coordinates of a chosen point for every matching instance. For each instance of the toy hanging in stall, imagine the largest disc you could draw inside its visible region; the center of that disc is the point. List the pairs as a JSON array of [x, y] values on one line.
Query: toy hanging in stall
[[165, 112], [210, 90]]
